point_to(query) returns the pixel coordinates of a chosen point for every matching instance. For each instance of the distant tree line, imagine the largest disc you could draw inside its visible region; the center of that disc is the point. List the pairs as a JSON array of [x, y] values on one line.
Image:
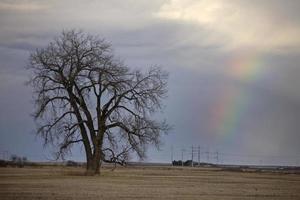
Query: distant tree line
[[15, 161], [183, 163], [18, 161], [188, 163]]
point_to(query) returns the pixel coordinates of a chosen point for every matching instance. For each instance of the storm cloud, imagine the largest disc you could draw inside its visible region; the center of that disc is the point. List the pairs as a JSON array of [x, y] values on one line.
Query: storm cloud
[[246, 51]]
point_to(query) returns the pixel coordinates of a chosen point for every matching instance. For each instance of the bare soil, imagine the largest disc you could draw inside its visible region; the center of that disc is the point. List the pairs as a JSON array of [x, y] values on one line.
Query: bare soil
[[146, 183]]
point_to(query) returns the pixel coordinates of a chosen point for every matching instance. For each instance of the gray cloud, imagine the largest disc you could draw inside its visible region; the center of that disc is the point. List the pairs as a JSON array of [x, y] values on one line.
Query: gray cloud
[[197, 56], [237, 24]]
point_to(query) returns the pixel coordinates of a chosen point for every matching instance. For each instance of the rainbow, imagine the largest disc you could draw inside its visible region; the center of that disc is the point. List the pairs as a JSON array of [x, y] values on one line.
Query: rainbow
[[233, 102]]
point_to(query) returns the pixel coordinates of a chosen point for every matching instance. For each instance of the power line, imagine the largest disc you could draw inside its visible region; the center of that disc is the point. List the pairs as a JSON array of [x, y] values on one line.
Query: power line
[[210, 155]]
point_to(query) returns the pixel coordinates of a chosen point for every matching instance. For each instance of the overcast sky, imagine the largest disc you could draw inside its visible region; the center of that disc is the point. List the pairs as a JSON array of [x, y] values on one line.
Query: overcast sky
[[234, 68]]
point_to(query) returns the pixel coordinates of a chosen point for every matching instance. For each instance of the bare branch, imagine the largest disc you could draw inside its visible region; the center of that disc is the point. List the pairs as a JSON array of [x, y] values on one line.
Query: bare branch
[[84, 94]]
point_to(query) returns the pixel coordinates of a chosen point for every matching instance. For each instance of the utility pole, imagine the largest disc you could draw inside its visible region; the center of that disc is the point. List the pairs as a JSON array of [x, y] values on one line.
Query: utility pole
[[5, 155], [199, 152], [217, 156], [172, 155], [192, 156], [182, 151], [207, 155]]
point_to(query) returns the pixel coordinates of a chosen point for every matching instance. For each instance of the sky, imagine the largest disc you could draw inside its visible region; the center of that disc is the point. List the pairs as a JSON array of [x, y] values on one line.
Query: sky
[[233, 64]]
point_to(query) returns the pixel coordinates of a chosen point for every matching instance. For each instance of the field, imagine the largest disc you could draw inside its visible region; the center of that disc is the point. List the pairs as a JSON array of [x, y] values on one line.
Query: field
[[146, 183]]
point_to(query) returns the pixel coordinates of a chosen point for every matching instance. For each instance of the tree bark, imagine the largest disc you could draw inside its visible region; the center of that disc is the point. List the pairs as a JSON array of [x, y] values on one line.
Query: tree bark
[[94, 162], [93, 166]]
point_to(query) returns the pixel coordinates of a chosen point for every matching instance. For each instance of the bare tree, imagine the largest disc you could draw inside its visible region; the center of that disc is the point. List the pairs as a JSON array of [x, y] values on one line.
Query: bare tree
[[83, 94]]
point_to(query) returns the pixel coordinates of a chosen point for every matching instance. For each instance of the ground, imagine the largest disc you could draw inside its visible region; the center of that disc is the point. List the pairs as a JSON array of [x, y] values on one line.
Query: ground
[[146, 183]]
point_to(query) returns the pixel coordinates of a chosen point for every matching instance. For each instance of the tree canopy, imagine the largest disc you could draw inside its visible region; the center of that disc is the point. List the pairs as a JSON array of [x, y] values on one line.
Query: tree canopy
[[84, 94]]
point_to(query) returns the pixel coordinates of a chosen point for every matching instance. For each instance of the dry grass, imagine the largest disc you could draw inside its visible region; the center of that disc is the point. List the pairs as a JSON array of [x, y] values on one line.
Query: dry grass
[[146, 183]]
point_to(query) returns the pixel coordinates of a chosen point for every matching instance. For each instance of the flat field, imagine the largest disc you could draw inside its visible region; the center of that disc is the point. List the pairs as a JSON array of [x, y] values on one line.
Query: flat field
[[146, 183]]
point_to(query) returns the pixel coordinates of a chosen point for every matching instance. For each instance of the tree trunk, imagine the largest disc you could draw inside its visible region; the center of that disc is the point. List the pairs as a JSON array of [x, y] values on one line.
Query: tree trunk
[[93, 166], [93, 163]]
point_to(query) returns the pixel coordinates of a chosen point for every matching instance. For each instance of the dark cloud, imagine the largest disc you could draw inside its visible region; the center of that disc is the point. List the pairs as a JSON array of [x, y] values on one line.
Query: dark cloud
[[196, 58]]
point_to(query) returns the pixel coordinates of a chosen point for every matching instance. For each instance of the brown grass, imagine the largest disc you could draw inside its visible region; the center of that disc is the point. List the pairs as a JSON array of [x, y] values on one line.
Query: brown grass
[[146, 183]]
